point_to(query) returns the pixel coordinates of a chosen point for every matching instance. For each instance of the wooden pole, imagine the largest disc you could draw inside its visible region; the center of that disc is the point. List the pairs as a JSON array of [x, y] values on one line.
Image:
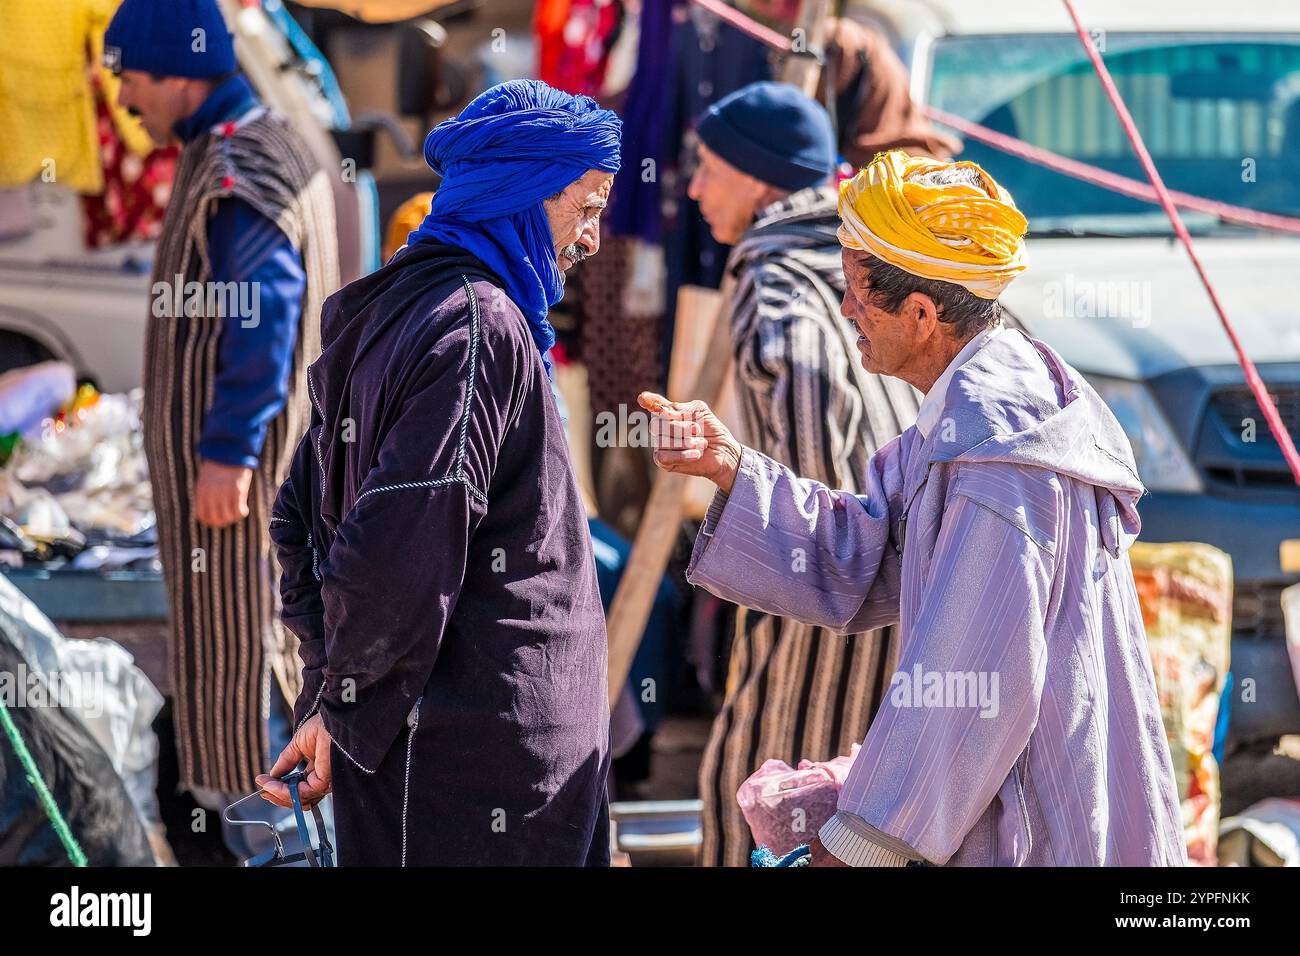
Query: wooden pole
[[664, 511], [801, 68], [661, 521]]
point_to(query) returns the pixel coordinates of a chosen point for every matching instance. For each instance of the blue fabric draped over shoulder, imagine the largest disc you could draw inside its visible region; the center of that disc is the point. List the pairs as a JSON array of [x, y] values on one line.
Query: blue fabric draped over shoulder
[[512, 147]]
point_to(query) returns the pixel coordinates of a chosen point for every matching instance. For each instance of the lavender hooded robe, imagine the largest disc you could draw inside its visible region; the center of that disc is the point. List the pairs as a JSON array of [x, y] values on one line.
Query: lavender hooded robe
[[999, 543], [438, 571]]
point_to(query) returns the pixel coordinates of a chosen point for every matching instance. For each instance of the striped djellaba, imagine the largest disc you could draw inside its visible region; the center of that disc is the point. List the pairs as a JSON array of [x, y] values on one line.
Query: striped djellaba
[[227, 641]]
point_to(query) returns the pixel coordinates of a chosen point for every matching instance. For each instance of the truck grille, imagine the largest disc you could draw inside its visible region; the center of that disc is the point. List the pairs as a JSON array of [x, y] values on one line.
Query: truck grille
[[1234, 405], [1237, 404]]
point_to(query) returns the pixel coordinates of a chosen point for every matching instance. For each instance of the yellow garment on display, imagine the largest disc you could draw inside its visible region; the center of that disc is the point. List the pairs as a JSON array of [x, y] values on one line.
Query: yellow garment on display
[[909, 211], [47, 106]]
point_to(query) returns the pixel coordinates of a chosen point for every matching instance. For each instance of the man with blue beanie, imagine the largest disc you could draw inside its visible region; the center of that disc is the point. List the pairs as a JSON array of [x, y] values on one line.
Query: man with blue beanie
[[763, 142], [765, 185], [436, 561], [246, 256]]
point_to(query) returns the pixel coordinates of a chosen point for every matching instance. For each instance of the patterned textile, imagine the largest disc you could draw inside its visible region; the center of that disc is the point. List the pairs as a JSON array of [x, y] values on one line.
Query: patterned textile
[[574, 40], [619, 348]]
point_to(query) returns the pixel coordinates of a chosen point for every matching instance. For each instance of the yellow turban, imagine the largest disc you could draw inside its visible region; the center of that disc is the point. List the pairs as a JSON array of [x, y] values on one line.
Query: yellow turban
[[935, 226]]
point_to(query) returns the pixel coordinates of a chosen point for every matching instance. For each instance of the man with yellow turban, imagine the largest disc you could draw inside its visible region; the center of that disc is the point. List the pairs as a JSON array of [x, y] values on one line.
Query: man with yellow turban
[[1022, 725]]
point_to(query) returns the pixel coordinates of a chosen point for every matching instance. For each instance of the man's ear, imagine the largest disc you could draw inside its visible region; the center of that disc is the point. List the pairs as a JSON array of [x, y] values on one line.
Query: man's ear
[[757, 191], [192, 91], [922, 309]]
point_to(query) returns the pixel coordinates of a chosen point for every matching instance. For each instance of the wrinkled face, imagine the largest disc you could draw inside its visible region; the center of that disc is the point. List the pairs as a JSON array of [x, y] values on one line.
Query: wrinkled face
[[887, 342], [158, 101], [574, 216], [727, 197]]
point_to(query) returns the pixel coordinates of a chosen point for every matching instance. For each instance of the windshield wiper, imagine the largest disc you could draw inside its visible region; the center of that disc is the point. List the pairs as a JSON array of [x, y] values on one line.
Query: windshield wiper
[[1076, 232]]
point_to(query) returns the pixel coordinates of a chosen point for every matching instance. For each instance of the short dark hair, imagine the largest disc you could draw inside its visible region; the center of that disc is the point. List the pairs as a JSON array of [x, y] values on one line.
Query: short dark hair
[[966, 312]]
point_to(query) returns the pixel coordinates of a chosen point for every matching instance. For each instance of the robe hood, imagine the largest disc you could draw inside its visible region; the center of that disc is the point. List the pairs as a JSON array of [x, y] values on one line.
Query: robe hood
[[350, 317], [1017, 401]]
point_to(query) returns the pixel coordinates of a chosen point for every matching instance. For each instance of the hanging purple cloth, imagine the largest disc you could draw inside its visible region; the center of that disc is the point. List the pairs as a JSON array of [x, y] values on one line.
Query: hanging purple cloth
[[634, 203]]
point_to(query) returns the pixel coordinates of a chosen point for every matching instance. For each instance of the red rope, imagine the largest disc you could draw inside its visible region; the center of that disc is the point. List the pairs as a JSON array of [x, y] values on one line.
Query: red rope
[[1139, 146], [1036, 154], [745, 25], [1108, 180]]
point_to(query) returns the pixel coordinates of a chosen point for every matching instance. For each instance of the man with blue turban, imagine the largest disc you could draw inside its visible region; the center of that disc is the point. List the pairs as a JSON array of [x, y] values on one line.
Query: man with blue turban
[[437, 565]]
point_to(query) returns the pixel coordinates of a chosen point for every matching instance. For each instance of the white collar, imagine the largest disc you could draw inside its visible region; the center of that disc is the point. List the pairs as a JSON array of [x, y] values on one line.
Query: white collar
[[927, 416]]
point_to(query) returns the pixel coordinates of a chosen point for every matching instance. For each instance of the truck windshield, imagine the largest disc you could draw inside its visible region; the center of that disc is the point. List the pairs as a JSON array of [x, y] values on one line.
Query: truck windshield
[[1221, 117]]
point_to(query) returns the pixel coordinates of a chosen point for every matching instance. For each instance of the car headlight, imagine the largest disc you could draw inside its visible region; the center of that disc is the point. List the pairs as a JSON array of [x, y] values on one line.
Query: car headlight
[[1162, 463]]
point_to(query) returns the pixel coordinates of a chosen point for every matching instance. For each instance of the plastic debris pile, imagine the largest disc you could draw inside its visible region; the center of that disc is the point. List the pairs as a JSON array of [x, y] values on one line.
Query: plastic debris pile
[[74, 488]]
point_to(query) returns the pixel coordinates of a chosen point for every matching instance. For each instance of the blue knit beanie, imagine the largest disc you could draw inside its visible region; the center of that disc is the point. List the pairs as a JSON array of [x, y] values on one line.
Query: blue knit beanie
[[774, 132], [170, 38]]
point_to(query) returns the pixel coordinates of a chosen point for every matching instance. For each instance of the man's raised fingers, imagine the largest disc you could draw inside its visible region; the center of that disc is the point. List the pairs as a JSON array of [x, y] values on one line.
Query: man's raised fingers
[[656, 403], [671, 433], [653, 402]]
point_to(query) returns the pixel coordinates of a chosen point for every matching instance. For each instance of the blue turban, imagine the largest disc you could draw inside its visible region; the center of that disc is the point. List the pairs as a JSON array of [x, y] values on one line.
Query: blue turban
[[513, 146]]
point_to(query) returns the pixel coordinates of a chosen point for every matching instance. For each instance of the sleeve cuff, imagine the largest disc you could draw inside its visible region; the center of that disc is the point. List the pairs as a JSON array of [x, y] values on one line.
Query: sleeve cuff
[[365, 758], [855, 842], [308, 702], [225, 452], [714, 514]]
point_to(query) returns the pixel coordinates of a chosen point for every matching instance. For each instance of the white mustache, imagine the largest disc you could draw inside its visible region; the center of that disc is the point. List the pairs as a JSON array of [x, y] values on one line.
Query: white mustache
[[574, 253]]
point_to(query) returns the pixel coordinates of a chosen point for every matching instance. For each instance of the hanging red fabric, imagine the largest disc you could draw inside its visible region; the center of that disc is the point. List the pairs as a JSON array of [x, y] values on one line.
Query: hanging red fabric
[[1139, 146], [574, 40]]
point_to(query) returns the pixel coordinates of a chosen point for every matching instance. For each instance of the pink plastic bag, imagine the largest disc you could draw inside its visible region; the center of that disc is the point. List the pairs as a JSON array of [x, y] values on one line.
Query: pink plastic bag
[[786, 806]]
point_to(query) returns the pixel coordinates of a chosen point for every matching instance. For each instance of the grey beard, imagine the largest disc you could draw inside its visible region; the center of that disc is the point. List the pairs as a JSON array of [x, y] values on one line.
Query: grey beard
[[574, 253]]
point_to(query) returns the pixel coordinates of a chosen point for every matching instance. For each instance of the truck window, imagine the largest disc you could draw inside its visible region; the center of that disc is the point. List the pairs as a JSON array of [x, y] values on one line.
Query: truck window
[[1220, 116]]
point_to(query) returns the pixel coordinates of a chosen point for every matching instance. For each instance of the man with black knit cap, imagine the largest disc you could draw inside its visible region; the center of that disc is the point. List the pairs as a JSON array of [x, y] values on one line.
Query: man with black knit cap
[[765, 184], [247, 254]]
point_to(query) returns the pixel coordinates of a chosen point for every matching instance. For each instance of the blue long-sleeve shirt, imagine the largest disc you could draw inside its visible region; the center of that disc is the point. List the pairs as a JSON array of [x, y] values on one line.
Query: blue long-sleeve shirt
[[255, 349]]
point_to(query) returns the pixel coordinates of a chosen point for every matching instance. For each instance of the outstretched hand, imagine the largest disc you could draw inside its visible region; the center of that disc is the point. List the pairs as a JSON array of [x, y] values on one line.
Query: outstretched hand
[[690, 439]]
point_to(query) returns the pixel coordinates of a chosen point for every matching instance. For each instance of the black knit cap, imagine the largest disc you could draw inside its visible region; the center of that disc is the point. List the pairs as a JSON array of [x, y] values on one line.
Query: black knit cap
[[774, 132]]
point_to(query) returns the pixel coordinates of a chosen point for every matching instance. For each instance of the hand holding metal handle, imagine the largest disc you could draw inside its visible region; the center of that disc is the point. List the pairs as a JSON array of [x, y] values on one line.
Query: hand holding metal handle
[[322, 857]]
